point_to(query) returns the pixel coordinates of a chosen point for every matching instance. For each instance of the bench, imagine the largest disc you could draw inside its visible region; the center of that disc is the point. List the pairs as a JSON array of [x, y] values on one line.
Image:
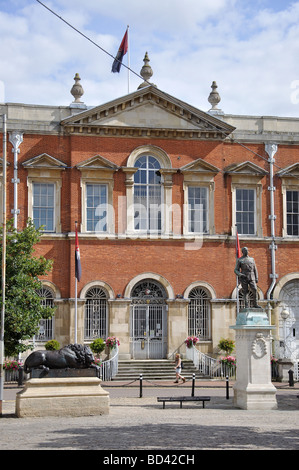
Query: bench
[[181, 399]]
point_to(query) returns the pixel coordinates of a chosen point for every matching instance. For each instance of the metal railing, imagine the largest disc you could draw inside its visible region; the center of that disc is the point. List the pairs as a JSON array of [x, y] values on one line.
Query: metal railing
[[109, 368]]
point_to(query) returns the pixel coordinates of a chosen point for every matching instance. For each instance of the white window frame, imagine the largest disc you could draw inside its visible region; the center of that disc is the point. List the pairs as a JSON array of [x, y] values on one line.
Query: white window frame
[[241, 230], [40, 223], [199, 210], [166, 192], [57, 200], [257, 187], [99, 210]]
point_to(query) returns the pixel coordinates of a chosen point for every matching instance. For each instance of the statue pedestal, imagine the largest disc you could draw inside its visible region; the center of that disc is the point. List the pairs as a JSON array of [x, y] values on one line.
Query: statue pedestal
[[253, 389], [64, 393]]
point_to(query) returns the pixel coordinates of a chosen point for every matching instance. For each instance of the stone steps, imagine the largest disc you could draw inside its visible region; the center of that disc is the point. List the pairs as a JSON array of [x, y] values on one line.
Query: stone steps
[[152, 369]]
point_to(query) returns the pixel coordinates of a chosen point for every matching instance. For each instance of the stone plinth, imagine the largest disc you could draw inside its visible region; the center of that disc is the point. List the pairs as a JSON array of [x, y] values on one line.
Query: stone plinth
[[253, 389], [70, 395], [284, 366]]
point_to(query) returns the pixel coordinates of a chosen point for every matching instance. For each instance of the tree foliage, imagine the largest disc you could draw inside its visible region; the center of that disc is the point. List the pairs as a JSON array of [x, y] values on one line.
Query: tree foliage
[[23, 309]]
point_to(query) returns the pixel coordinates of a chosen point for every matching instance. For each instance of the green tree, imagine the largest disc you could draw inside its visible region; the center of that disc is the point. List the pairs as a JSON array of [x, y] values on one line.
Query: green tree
[[23, 309]]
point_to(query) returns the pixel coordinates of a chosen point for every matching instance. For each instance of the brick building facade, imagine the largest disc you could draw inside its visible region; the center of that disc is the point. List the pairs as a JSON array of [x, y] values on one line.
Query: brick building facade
[[158, 188]]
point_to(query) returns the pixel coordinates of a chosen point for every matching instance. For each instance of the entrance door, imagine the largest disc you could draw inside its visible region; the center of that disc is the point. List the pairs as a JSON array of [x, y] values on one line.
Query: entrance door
[[148, 331]]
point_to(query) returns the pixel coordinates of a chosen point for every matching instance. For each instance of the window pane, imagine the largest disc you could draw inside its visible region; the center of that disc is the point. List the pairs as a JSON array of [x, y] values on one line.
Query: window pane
[[147, 194], [44, 206], [292, 213], [96, 207], [197, 210], [245, 211]]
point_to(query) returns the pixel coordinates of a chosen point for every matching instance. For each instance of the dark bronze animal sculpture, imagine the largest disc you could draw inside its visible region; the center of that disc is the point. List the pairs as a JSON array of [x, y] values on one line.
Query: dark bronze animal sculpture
[[72, 356]]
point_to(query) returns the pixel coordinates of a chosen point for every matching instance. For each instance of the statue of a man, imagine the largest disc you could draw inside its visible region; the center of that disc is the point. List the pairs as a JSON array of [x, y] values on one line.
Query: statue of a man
[[247, 272]]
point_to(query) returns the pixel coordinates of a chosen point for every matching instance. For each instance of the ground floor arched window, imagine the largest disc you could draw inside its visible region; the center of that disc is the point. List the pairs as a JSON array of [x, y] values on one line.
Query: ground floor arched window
[[96, 313], [199, 314], [289, 329], [46, 326]]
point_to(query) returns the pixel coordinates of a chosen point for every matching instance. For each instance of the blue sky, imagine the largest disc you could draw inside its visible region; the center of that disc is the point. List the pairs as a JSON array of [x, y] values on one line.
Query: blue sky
[[250, 48]]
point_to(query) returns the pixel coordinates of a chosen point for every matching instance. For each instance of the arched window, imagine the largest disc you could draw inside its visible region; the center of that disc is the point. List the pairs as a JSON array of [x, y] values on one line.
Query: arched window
[[289, 329], [46, 327], [199, 314], [147, 195], [96, 310]]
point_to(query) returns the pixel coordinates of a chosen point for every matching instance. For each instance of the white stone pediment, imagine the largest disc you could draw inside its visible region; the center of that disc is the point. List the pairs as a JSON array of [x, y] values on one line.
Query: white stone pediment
[[148, 112], [45, 161], [199, 166], [245, 168], [97, 163], [290, 171]]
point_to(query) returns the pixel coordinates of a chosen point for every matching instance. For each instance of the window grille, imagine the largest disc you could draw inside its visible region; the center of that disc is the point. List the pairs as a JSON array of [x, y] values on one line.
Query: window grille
[[199, 314], [148, 291], [46, 326], [96, 311]]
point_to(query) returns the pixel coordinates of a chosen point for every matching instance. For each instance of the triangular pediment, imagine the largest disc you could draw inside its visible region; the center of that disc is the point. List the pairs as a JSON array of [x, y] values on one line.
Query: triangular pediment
[[199, 166], [45, 161], [290, 171], [97, 163], [148, 112], [245, 168]]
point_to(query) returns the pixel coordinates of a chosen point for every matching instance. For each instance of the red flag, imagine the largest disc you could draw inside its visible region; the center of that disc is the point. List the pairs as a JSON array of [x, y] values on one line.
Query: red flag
[[123, 49], [238, 249], [78, 270]]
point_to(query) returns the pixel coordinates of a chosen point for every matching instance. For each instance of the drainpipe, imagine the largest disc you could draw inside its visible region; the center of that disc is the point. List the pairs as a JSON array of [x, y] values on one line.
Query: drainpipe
[[271, 150], [15, 138]]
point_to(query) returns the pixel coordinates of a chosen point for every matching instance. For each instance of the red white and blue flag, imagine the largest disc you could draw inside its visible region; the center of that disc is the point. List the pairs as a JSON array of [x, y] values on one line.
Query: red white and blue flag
[[123, 49], [78, 270]]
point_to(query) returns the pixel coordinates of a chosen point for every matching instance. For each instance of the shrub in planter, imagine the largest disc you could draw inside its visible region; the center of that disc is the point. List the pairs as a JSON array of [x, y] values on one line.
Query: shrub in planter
[[97, 346], [52, 345]]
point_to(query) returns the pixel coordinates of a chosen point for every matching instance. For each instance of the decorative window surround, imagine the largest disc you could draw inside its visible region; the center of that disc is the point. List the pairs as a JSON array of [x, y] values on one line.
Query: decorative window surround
[[45, 169], [199, 174], [289, 182], [166, 172], [247, 175], [98, 170]]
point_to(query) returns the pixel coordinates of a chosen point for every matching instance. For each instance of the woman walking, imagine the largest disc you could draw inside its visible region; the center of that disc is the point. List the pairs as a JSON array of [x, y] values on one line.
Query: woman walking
[[178, 369]]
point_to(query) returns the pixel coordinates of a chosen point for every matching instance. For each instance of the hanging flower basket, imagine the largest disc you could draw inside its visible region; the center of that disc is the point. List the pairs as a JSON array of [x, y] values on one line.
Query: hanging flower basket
[[191, 341]]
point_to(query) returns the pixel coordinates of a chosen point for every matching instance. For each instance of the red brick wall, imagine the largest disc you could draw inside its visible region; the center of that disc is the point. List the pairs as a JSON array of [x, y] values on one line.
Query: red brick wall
[[117, 262]]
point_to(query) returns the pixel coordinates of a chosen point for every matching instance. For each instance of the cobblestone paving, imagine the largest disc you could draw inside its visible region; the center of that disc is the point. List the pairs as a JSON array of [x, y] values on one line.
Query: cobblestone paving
[[136, 423]]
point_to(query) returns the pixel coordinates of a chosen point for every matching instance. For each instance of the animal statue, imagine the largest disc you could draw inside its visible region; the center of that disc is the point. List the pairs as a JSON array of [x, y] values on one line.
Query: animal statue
[[72, 356]]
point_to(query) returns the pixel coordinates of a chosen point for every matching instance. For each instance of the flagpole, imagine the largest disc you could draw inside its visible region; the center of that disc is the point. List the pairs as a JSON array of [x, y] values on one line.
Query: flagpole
[[3, 266], [76, 294], [237, 278], [128, 60]]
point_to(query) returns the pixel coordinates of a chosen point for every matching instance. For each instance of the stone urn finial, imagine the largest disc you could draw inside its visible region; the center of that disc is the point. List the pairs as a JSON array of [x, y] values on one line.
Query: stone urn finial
[[77, 89], [214, 97], [146, 72]]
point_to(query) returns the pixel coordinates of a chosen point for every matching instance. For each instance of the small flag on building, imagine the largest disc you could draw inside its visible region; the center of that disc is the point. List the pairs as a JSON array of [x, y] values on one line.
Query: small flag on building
[[238, 249], [78, 271], [123, 49]]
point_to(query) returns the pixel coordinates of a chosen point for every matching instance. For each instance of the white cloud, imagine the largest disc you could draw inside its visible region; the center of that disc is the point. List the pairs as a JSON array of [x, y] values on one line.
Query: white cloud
[[249, 48]]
